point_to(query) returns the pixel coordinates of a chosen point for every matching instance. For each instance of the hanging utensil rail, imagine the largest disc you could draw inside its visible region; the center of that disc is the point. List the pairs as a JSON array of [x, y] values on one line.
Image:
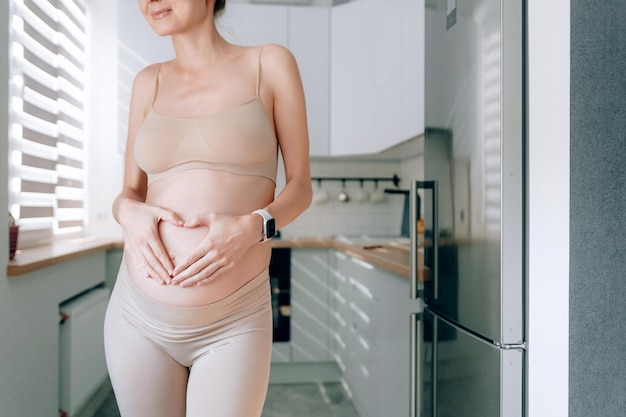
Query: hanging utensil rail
[[395, 179]]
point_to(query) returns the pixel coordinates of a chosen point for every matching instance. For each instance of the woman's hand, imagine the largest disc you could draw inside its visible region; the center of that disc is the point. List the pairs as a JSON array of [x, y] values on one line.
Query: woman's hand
[[228, 239], [141, 238]]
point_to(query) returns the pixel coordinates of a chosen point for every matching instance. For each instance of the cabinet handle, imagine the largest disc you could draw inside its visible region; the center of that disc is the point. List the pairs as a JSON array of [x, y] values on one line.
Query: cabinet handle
[[413, 239], [416, 365], [434, 369], [362, 263], [429, 185]]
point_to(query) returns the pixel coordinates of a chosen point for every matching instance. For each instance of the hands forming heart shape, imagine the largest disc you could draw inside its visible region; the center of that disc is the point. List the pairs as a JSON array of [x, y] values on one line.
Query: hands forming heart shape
[[227, 240]]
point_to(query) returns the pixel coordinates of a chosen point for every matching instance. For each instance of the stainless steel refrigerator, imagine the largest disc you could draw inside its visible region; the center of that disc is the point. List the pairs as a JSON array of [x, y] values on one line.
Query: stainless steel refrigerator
[[468, 345]]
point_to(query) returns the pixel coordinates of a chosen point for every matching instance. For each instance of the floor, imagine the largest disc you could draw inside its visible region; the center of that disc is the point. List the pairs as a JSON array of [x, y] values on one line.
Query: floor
[[290, 400]]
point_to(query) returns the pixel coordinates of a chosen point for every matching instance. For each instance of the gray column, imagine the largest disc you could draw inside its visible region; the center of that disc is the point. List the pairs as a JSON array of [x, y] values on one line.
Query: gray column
[[598, 209]]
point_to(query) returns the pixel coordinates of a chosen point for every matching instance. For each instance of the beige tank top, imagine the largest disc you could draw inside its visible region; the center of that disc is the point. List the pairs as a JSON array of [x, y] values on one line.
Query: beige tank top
[[239, 140]]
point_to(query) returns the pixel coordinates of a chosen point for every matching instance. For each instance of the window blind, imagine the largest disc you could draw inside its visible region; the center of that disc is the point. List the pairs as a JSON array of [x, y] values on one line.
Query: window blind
[[47, 118], [492, 133]]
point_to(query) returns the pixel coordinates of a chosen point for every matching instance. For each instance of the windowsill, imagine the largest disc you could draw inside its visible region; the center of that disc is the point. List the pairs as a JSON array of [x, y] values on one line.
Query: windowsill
[[33, 259]]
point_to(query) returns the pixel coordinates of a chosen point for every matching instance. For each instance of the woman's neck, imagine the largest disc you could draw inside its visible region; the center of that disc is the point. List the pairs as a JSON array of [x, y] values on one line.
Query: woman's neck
[[199, 50]]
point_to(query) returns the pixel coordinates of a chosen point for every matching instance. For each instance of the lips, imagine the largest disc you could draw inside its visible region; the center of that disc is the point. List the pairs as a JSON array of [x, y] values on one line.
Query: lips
[[160, 14]]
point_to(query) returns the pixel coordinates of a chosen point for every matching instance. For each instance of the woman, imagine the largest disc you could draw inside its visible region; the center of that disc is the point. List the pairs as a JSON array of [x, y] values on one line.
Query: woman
[[188, 330]]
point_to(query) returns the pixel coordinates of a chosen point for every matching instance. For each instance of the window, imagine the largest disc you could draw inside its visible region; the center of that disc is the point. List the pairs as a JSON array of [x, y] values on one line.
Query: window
[[47, 118]]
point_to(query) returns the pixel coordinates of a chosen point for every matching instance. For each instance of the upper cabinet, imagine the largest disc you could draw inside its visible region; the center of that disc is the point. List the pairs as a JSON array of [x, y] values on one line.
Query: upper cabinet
[[309, 41], [377, 87], [361, 64]]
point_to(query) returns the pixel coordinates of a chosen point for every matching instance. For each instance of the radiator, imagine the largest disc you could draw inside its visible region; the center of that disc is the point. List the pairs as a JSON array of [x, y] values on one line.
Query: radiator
[[82, 368]]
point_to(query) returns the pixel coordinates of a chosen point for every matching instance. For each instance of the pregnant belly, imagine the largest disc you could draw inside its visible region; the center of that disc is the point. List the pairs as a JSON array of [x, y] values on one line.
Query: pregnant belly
[[179, 243], [219, 193]]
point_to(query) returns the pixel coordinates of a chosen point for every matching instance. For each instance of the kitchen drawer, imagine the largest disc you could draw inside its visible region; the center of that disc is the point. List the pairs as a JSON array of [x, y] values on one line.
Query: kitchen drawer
[[310, 269], [310, 312], [365, 381], [371, 341]]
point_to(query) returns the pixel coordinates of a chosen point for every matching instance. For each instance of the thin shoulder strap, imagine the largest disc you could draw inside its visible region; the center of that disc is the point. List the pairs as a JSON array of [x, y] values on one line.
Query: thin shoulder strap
[[258, 72], [156, 83]]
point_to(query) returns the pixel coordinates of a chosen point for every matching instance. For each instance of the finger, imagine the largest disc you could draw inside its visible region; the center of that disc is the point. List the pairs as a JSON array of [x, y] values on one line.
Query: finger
[[156, 279], [140, 261], [194, 257], [208, 273], [154, 266], [218, 273], [192, 270], [170, 217], [162, 256], [196, 221], [150, 273]]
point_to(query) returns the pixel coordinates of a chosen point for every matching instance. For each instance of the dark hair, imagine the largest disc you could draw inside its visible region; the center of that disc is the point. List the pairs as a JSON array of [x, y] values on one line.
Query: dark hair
[[218, 7]]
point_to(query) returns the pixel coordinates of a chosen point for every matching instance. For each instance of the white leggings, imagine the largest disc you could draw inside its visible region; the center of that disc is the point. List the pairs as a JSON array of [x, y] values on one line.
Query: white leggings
[[206, 361]]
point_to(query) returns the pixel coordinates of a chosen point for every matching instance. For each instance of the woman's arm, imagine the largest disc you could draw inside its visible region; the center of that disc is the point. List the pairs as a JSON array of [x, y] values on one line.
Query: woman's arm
[[139, 221], [283, 79]]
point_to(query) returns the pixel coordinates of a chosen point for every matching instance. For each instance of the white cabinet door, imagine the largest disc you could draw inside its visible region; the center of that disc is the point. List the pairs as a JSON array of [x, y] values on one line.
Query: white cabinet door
[[340, 315], [390, 329], [411, 103], [310, 332], [353, 64], [378, 331], [377, 75], [399, 82], [309, 41], [365, 307], [388, 49], [281, 352], [254, 24]]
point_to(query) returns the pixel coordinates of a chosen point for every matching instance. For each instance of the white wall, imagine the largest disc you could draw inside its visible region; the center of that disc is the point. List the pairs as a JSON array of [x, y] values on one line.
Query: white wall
[[351, 218], [548, 207], [105, 163]]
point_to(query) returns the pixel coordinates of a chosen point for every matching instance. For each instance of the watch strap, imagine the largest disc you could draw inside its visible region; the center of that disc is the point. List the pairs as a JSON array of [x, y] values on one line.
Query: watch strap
[[266, 218]]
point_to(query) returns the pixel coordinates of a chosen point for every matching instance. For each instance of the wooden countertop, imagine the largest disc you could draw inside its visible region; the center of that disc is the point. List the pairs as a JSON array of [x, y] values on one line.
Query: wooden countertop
[[33, 259], [394, 258]]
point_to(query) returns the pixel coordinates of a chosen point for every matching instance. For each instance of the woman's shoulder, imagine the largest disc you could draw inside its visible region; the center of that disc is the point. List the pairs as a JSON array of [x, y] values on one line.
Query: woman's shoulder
[[277, 61], [144, 85], [147, 75], [267, 53], [273, 52]]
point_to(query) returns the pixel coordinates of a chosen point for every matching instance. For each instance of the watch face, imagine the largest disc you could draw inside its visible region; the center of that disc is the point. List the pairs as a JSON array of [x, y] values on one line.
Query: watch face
[[270, 228]]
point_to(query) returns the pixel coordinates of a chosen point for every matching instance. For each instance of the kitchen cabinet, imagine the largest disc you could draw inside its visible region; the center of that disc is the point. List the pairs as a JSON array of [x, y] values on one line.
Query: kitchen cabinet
[[310, 305], [353, 70], [370, 329], [341, 338], [309, 333], [309, 41], [377, 75], [361, 65]]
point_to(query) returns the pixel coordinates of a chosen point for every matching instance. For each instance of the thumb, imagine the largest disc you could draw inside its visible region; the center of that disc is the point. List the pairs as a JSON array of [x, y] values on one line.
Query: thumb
[[170, 217], [197, 221]]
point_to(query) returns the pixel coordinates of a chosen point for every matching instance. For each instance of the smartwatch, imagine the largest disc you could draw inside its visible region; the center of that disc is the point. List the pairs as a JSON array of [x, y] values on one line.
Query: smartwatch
[[269, 225]]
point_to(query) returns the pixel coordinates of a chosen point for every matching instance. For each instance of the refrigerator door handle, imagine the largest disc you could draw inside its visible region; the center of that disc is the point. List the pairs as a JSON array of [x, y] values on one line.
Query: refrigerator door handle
[[416, 365], [434, 369], [428, 185]]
